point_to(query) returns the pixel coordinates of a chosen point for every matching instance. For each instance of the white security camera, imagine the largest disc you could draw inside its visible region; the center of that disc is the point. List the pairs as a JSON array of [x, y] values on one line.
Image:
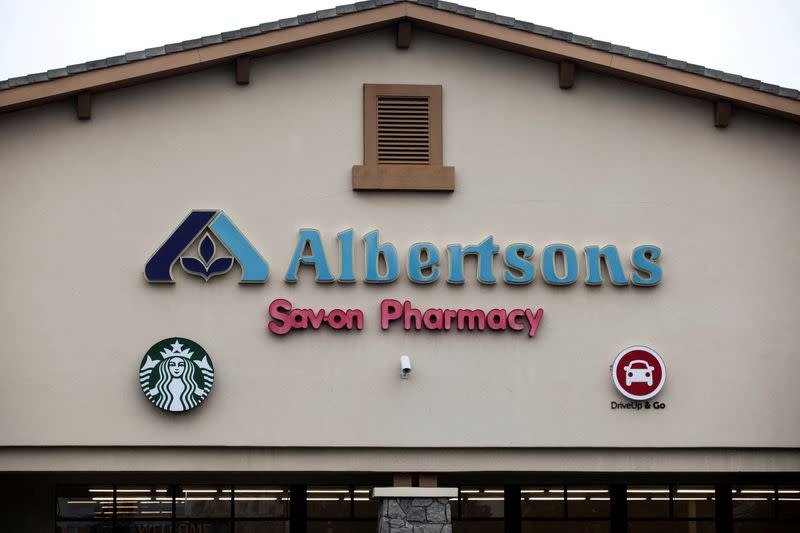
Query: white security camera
[[405, 366]]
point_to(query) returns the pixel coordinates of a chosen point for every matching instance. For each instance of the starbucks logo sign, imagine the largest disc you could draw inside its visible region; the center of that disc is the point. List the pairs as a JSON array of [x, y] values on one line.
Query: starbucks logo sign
[[176, 374]]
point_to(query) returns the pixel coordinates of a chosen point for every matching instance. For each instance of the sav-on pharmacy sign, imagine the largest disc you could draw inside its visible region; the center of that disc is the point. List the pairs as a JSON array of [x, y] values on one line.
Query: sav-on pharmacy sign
[[424, 261]]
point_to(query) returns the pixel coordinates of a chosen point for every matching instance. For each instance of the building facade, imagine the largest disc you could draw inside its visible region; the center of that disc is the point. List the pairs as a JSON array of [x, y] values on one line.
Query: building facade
[[212, 277]]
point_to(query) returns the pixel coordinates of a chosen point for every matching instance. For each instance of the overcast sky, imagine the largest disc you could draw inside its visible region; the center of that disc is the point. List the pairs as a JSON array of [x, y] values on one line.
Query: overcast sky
[[757, 38]]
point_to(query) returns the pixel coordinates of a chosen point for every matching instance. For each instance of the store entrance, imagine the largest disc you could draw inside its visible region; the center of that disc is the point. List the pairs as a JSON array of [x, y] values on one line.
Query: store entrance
[[580, 507]]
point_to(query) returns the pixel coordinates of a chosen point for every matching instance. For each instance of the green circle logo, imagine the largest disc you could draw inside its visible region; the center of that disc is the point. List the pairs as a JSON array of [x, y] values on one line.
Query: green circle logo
[[176, 374]]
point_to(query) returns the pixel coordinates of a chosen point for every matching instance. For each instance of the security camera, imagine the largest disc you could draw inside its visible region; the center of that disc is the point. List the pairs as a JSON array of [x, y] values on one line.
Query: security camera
[[405, 366]]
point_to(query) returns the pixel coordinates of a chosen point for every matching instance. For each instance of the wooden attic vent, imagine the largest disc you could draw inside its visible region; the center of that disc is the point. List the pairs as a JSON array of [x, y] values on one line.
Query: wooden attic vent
[[403, 140], [404, 130]]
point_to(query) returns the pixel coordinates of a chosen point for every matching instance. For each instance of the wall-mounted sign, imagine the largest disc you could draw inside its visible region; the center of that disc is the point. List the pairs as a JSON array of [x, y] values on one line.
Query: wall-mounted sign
[[638, 373], [200, 226], [176, 374], [284, 318], [423, 263]]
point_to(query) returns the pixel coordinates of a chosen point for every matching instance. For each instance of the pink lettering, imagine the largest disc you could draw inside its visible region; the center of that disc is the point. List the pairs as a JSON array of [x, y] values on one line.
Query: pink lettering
[[286, 319], [316, 319], [279, 324], [496, 319], [409, 313], [471, 319], [433, 319], [513, 315], [449, 315], [390, 310], [534, 320]]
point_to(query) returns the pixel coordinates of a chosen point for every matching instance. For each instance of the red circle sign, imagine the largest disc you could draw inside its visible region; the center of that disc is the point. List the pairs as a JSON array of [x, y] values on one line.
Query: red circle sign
[[638, 372]]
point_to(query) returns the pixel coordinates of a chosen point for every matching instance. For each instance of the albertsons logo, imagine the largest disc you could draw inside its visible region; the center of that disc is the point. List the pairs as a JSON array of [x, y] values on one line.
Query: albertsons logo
[[202, 228]]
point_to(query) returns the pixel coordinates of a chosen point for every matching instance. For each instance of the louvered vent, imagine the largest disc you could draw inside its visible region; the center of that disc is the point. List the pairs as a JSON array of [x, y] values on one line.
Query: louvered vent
[[404, 130]]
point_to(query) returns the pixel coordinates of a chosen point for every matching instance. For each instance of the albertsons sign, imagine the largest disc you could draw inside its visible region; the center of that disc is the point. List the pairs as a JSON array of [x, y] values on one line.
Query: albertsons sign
[[207, 244]]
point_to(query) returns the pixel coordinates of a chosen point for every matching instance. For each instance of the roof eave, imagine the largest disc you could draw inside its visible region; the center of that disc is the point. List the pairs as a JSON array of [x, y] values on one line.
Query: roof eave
[[493, 33]]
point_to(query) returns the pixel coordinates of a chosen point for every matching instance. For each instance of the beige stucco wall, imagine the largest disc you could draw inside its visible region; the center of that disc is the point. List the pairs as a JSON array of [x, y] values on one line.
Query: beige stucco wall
[[83, 206]]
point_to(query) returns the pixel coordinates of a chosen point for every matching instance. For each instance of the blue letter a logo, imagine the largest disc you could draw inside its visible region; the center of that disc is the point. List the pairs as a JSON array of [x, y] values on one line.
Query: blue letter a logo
[[217, 223]]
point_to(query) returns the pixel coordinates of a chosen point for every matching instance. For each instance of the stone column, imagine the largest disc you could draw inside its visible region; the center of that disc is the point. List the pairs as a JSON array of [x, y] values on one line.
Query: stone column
[[414, 509]]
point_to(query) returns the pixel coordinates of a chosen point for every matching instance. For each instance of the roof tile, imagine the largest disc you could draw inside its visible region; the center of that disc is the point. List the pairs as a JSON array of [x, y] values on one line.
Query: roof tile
[[173, 48], [789, 93], [485, 15], [211, 39], [289, 22], [547, 31], [120, 60], [363, 6], [656, 58], [37, 77], [96, 64], [563, 35], [19, 80], [307, 18], [231, 35], [269, 26], [447, 6], [751, 83], [505, 21], [136, 56], [56, 73], [695, 69], [525, 26], [154, 52], [249, 31], [618, 49], [770, 88], [75, 69], [731, 78], [582, 40], [674, 63], [345, 9], [326, 13], [466, 11], [714, 73]]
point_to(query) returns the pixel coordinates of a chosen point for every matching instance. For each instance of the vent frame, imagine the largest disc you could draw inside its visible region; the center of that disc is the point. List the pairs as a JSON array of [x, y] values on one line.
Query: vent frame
[[380, 171]]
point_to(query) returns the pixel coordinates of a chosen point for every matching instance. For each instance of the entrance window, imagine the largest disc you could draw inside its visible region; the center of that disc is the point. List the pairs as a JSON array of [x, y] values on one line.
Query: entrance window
[[172, 509], [261, 509], [565, 509], [202, 501], [478, 510], [143, 508], [84, 509], [671, 509], [85, 502], [766, 508], [340, 509]]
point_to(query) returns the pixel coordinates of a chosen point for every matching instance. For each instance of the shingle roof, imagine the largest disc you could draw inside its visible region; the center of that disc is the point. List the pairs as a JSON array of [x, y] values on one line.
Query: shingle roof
[[477, 14]]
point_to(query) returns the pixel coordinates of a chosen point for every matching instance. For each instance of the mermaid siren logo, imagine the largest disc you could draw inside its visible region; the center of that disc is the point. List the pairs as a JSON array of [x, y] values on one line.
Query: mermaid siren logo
[[204, 227], [176, 374]]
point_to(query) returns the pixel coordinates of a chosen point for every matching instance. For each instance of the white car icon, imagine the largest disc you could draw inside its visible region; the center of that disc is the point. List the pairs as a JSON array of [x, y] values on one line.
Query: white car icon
[[642, 373]]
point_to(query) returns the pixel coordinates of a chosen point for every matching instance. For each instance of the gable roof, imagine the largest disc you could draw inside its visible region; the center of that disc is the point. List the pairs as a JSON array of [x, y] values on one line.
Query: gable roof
[[443, 17]]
